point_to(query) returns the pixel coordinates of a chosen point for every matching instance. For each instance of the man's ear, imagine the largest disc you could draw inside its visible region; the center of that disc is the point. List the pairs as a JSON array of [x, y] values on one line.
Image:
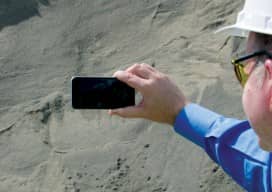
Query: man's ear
[[268, 78], [268, 68]]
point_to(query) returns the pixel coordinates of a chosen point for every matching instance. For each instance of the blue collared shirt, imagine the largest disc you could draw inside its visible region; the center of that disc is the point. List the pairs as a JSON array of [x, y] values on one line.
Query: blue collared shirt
[[229, 142]]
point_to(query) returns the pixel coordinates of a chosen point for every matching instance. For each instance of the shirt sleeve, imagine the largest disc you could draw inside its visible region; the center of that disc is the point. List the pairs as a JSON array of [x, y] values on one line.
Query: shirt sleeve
[[229, 142]]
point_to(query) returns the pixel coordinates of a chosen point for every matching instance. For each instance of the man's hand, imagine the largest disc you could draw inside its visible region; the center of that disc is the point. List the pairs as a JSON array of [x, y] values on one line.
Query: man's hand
[[162, 100]]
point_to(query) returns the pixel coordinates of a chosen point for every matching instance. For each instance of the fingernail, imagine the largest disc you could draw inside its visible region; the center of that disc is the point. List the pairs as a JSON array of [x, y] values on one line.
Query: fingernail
[[116, 73], [112, 112]]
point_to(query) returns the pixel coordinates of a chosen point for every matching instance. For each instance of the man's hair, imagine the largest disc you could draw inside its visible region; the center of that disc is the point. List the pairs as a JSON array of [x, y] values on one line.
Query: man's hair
[[265, 41]]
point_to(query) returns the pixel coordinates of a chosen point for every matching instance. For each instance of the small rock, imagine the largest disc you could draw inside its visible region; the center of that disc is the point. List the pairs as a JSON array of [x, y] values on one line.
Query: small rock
[[147, 146], [121, 174], [79, 175], [214, 169]]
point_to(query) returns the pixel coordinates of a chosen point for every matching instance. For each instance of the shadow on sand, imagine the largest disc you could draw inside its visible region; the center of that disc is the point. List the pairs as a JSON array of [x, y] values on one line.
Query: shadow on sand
[[13, 12]]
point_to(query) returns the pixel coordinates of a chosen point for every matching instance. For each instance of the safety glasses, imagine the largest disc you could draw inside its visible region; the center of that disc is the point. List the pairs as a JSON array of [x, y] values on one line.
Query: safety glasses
[[240, 64]]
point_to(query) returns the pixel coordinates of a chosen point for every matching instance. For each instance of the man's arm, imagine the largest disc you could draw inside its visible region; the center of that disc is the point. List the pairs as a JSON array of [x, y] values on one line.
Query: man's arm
[[229, 142]]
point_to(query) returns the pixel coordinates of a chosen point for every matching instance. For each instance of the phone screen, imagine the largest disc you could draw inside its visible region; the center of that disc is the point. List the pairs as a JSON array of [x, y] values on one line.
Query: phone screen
[[101, 93]]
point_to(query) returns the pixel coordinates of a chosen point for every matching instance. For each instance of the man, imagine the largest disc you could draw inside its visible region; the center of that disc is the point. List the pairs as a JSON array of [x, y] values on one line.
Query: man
[[242, 152]]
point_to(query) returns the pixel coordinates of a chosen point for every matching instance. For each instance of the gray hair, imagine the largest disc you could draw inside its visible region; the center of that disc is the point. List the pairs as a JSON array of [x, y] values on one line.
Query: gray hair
[[259, 72]]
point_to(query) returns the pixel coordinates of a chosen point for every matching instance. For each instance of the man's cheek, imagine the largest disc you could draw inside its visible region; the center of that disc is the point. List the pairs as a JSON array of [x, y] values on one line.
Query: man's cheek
[[245, 101]]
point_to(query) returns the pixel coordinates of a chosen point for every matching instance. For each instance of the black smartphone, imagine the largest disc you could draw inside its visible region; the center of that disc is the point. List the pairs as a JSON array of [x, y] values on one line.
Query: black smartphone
[[101, 93]]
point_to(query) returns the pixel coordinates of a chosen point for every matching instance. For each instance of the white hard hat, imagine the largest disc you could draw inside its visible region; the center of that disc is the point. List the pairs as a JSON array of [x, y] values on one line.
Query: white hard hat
[[255, 16]]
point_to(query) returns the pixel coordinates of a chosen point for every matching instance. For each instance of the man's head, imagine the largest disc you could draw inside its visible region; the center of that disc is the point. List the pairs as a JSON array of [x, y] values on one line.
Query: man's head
[[257, 93], [254, 71]]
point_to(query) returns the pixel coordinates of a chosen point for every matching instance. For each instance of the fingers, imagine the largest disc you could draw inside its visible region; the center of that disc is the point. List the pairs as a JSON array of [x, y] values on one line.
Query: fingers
[[130, 79], [142, 70], [137, 76], [127, 112]]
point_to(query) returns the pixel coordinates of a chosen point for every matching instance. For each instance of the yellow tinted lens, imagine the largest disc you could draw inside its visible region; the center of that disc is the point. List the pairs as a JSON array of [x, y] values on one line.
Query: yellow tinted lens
[[241, 75]]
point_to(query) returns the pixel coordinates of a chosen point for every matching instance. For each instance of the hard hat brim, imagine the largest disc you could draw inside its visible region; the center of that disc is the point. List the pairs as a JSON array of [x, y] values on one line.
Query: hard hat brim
[[241, 31], [233, 30]]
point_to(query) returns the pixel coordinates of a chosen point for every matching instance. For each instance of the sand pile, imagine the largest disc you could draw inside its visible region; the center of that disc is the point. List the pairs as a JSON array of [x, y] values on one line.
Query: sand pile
[[45, 145]]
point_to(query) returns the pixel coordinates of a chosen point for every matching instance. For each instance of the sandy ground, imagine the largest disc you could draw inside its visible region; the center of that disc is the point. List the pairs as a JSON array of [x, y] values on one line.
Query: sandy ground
[[47, 146]]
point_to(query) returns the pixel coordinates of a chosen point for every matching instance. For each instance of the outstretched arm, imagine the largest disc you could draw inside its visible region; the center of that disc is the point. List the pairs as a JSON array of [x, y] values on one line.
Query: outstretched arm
[[229, 142]]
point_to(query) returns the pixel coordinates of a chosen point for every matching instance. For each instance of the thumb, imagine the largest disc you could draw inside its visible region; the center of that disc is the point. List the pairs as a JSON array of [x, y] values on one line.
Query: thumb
[[127, 112]]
